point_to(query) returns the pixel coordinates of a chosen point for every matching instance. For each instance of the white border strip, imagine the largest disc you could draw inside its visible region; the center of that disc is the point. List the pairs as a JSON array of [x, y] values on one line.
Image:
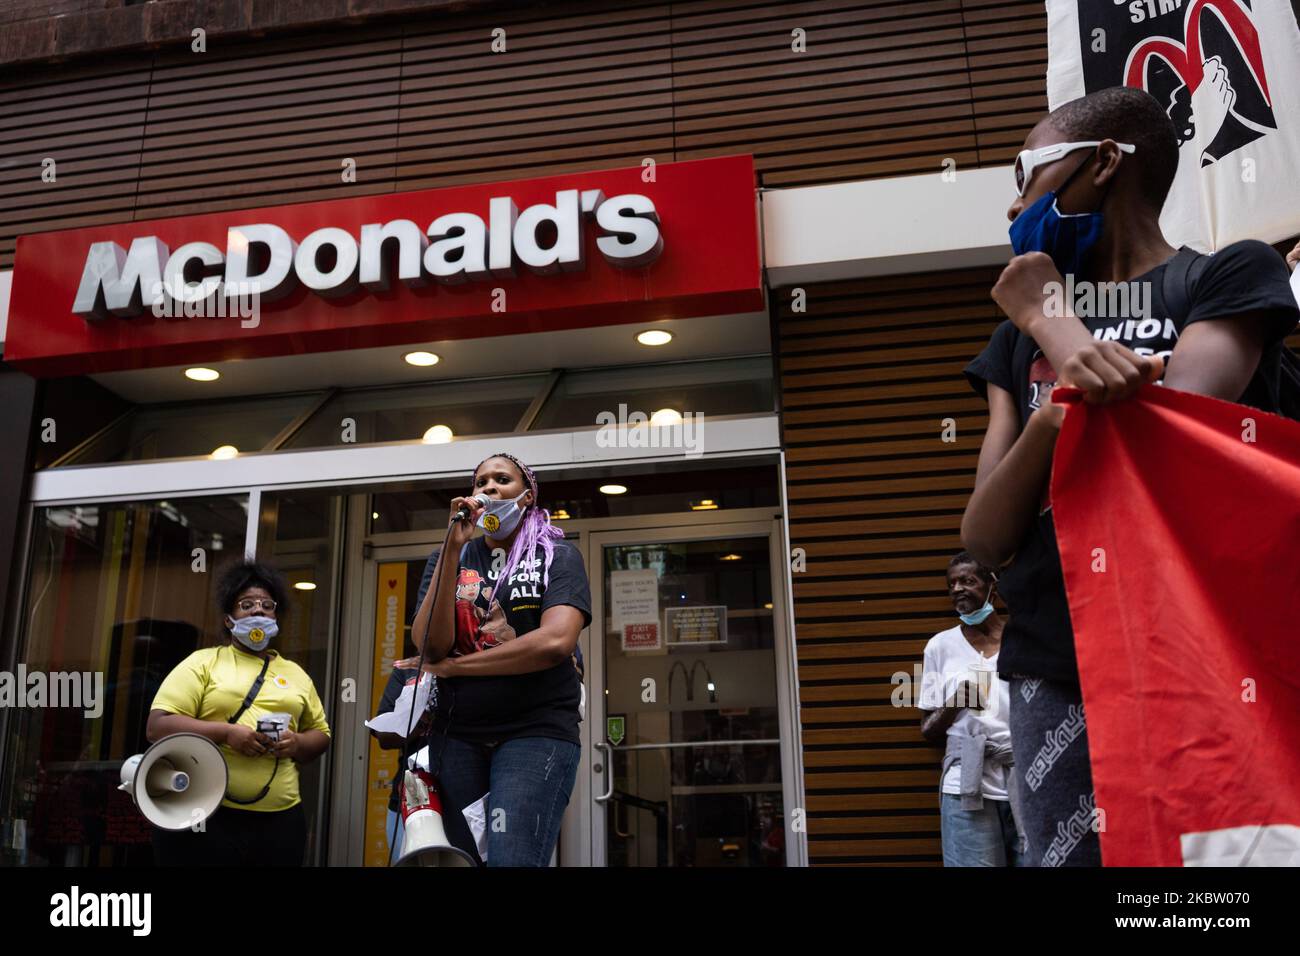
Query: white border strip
[[370, 464]]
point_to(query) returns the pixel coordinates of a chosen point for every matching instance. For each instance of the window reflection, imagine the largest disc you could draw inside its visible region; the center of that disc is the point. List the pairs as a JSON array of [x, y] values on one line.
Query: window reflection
[[195, 428], [408, 412], [125, 591], [724, 387], [300, 532]]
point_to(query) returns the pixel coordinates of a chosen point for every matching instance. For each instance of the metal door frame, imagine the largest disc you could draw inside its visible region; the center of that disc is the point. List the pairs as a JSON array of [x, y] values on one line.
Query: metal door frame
[[691, 528]]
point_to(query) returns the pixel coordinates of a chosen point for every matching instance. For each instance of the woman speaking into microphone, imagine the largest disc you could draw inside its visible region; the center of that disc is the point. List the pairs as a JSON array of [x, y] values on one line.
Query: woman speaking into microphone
[[498, 627]]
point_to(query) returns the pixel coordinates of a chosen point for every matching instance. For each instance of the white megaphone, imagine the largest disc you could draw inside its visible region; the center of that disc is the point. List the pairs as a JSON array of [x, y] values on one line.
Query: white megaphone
[[178, 782], [426, 843]]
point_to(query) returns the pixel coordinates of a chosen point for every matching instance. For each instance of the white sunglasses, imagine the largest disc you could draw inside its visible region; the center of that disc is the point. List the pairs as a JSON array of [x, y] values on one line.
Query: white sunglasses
[[1030, 159]]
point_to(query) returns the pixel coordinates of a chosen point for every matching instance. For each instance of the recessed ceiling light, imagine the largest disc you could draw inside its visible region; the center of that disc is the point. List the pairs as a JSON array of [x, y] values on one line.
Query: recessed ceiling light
[[202, 374], [225, 451], [666, 416], [704, 504], [654, 337], [768, 605], [305, 585], [420, 358], [613, 489], [437, 435], [730, 557], [559, 514]]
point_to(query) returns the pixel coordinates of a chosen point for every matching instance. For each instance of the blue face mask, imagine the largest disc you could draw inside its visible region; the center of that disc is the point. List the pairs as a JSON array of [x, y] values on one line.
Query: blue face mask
[[980, 616], [1066, 237], [255, 632]]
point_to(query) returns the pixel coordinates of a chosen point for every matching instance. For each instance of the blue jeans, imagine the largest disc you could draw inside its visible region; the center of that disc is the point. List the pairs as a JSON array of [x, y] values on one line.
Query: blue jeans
[[984, 837], [530, 779]]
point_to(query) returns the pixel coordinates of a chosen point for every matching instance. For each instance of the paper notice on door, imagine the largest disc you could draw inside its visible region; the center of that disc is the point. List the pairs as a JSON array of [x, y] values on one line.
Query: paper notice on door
[[634, 607], [696, 625]]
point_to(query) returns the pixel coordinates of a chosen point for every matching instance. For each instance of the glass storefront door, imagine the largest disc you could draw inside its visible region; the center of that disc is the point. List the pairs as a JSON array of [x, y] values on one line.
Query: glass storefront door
[[392, 577], [687, 760]]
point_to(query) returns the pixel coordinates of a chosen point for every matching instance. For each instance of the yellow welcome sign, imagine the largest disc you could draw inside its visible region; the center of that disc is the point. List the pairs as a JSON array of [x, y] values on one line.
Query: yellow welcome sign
[[390, 620]]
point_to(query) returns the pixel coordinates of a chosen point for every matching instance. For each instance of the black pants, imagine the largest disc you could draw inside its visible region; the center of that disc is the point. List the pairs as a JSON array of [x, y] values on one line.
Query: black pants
[[237, 838]]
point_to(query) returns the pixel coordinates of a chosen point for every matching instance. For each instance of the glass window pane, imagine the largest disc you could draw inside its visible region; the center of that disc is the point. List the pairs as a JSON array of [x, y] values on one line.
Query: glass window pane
[[79, 407], [713, 798], [406, 413], [300, 533], [657, 490], [117, 590], [725, 387], [194, 428]]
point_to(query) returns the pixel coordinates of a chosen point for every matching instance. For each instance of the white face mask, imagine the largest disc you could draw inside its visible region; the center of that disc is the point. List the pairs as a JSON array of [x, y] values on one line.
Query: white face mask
[[500, 518]]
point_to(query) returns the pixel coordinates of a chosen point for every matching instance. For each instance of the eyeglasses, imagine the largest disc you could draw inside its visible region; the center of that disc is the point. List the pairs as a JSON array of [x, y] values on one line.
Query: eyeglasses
[[249, 604], [1030, 159]]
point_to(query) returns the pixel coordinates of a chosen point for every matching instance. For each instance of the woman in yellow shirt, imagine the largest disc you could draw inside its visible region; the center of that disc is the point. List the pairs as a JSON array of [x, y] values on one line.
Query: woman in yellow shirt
[[220, 693]]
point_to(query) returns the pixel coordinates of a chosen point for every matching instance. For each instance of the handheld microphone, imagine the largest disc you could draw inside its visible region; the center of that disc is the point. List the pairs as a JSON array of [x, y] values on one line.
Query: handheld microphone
[[464, 510]]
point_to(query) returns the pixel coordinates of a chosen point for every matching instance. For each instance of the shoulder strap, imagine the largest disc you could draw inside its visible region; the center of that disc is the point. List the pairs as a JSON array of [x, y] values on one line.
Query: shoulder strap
[[252, 693], [1181, 275]]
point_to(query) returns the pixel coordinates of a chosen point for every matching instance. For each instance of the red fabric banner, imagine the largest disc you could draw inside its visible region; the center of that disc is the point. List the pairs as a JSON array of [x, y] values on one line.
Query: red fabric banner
[[1178, 522]]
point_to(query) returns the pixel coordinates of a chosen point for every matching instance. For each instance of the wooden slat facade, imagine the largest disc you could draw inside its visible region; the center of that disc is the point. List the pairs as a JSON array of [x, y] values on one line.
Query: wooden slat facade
[[869, 372], [423, 102]]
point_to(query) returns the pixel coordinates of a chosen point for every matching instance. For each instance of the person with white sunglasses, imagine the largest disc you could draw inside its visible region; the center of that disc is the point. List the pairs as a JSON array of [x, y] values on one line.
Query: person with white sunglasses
[[1089, 188]]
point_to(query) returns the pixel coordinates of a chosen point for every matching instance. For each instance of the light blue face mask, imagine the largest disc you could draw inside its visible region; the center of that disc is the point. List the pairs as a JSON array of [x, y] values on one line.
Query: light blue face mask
[[980, 616], [255, 632]]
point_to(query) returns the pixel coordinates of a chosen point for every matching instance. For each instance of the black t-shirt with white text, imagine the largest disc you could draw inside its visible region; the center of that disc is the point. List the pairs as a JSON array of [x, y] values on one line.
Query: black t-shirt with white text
[[1245, 277], [498, 708]]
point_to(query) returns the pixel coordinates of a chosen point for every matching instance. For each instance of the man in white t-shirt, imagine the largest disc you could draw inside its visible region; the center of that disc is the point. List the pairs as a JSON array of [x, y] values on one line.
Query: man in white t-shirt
[[966, 711]]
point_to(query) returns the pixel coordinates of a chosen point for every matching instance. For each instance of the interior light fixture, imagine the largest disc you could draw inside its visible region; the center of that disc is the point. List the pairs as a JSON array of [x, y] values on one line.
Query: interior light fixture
[[437, 435], [613, 489], [202, 374], [654, 337], [422, 359], [223, 452]]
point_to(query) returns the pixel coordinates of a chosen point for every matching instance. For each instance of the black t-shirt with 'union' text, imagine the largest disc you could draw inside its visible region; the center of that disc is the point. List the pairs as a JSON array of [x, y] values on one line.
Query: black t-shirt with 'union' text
[[498, 708], [1245, 277]]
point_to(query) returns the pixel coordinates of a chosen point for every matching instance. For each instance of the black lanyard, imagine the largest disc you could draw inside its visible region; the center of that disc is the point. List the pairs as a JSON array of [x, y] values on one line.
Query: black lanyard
[[248, 702], [252, 693]]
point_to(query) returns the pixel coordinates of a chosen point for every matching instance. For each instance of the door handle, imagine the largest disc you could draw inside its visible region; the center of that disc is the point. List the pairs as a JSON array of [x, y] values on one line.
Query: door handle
[[609, 770]]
